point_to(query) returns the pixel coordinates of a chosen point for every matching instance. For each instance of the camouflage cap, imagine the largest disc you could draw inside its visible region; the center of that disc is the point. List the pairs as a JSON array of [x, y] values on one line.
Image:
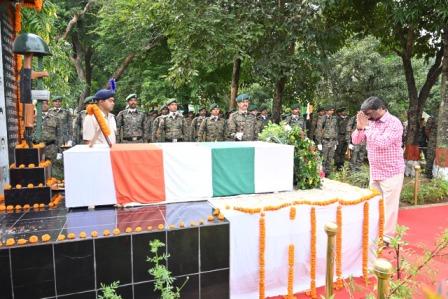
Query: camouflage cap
[[242, 97], [57, 98], [170, 101], [341, 109], [131, 96]]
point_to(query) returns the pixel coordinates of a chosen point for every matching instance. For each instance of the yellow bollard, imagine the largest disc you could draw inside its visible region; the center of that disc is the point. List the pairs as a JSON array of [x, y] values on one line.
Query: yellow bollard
[[416, 183], [331, 229], [383, 271]]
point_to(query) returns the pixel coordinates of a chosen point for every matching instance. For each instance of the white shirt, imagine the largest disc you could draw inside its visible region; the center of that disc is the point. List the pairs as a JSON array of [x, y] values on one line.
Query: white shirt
[[90, 126]]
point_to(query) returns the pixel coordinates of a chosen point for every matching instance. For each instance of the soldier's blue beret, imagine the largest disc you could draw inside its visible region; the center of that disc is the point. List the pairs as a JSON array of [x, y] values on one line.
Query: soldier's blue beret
[[104, 94], [242, 97], [131, 96]]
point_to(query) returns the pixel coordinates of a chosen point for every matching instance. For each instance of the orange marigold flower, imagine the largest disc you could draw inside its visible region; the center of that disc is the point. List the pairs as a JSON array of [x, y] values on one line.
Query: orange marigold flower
[[42, 205], [138, 229], [10, 242], [106, 232], [40, 185], [36, 206], [33, 239], [46, 238], [82, 235], [61, 237], [182, 224], [71, 236], [9, 207], [210, 218], [94, 234], [22, 166], [26, 206], [30, 185], [216, 212], [31, 165], [7, 187], [149, 227], [161, 226], [221, 217], [18, 186], [116, 231], [128, 230], [22, 241], [18, 207]]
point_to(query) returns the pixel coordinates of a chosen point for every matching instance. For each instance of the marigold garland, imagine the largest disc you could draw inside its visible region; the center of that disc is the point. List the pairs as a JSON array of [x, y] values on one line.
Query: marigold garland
[[261, 256], [381, 221], [18, 19], [312, 293], [292, 213], [37, 5], [19, 62], [339, 282], [365, 242], [291, 272], [95, 110]]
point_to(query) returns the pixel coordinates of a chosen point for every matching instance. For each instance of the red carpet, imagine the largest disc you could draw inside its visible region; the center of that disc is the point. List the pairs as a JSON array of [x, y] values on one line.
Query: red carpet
[[425, 225]]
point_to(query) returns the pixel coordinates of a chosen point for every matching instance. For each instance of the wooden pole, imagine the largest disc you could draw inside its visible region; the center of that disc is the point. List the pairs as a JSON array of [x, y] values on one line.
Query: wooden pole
[[383, 271], [416, 183], [331, 229]]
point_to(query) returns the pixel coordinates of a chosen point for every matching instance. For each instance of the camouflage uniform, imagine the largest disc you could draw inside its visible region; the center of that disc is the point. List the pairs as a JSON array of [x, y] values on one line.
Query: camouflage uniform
[[189, 120], [296, 121], [431, 132], [131, 126], [149, 120], [339, 156], [263, 121], [52, 136], [78, 127], [194, 127], [327, 136], [212, 129], [66, 120], [173, 128], [245, 123], [359, 152]]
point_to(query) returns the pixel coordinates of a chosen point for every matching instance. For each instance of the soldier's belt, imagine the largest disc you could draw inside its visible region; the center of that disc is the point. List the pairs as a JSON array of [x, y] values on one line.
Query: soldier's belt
[[50, 142], [132, 138]]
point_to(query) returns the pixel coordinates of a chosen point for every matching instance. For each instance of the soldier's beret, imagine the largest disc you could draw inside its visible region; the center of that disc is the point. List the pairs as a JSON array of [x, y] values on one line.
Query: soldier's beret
[[214, 106], [57, 98], [252, 107], [295, 106], [89, 99], [163, 107], [203, 108], [131, 96], [170, 101], [104, 94], [340, 109], [242, 97], [263, 107]]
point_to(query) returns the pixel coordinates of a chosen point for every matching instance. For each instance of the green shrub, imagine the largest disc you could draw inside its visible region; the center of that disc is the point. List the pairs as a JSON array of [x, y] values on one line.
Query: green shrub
[[359, 178], [431, 191], [306, 158]]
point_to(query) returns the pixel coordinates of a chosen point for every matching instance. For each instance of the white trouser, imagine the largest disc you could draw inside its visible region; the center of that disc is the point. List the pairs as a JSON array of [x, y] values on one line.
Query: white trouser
[[390, 189]]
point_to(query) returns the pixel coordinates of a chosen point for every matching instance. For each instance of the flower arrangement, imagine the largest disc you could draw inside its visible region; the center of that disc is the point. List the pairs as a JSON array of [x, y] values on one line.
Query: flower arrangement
[[291, 272], [306, 158], [312, 292], [292, 213]]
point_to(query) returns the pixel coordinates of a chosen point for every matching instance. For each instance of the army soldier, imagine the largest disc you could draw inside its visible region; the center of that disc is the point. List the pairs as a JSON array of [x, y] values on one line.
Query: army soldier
[[315, 118], [431, 132], [264, 117], [295, 119], [65, 118], [173, 127], [358, 151], [80, 119], [131, 122], [52, 137], [149, 120], [327, 138], [196, 123], [155, 136], [213, 127], [242, 126], [341, 149]]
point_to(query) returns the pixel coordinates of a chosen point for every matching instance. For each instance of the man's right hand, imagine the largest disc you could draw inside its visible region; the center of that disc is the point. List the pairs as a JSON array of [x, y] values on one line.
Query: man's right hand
[[362, 121]]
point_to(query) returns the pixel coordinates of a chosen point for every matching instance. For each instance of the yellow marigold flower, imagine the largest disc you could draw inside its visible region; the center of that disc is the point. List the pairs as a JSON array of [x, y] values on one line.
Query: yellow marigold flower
[[26, 206], [42, 205], [210, 218], [181, 224], [94, 234], [138, 229], [18, 207], [31, 165], [10, 242], [18, 186], [33, 239], [116, 231], [30, 185], [36, 206], [161, 226], [171, 226], [22, 166], [9, 207], [40, 185], [46, 238], [128, 230], [106, 232], [2, 208], [82, 235], [61, 237], [71, 236], [7, 187], [22, 241], [149, 227]]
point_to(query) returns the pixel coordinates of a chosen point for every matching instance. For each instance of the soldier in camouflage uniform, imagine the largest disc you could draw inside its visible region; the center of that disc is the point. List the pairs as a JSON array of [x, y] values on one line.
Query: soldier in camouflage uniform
[[339, 156], [295, 119], [431, 132], [173, 127], [80, 120], [149, 120], [196, 123], [263, 118], [155, 137], [213, 128], [358, 151], [131, 122], [66, 120], [315, 118], [241, 125], [52, 130], [327, 138]]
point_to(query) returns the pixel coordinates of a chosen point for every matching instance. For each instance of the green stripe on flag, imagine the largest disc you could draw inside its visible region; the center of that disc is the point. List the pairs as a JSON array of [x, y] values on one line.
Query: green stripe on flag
[[233, 171]]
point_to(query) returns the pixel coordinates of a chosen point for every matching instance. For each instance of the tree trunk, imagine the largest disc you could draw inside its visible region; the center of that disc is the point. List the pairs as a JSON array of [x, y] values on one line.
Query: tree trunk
[[235, 82], [278, 99], [441, 157]]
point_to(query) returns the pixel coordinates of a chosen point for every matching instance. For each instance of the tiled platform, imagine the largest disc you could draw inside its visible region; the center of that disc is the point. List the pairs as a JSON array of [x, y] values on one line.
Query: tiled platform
[[76, 268]]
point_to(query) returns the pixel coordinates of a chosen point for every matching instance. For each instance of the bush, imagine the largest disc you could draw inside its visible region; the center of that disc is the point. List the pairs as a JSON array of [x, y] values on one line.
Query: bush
[[431, 191], [306, 158], [359, 178]]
